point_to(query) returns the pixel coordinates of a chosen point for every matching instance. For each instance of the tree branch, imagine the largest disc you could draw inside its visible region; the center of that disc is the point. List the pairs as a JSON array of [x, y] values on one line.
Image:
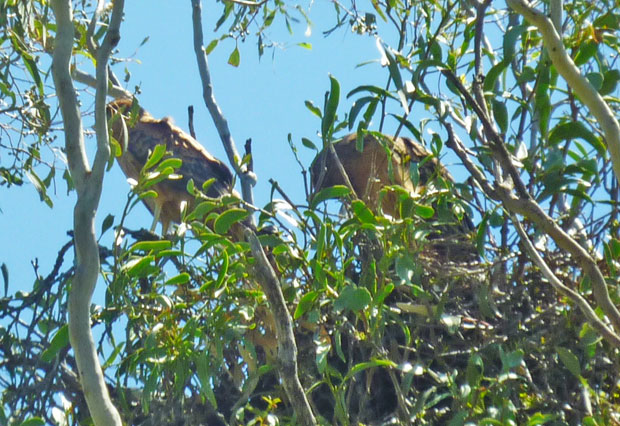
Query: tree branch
[[287, 349], [532, 211], [248, 179], [88, 185], [115, 91], [567, 69], [583, 304]]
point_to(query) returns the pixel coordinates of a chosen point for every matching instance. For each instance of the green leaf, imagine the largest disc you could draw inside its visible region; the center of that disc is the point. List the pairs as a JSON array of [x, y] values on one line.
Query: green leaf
[[491, 77], [383, 293], [323, 347], [202, 371], [381, 92], [169, 163], [151, 245], [305, 303], [370, 364], [331, 106], [117, 350], [614, 248], [235, 58], [510, 39], [305, 45], [596, 80], [510, 360], [574, 130], [610, 82], [182, 278], [155, 157], [308, 144], [59, 342], [353, 298], [423, 211], [540, 419], [585, 52], [211, 46], [107, 223], [320, 241], [33, 421], [5, 277], [313, 109], [362, 212], [222, 273], [500, 112], [333, 192], [224, 221], [570, 361], [542, 104], [139, 266], [356, 108], [394, 70], [39, 185], [475, 370]]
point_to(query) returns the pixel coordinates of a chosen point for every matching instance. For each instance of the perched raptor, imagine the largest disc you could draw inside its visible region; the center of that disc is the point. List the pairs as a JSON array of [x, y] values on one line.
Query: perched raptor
[[141, 135], [369, 171]]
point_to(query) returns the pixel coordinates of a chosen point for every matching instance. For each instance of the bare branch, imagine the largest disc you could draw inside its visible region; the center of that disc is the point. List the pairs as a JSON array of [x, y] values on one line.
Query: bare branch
[[248, 179], [287, 348], [88, 185], [567, 68], [115, 91]]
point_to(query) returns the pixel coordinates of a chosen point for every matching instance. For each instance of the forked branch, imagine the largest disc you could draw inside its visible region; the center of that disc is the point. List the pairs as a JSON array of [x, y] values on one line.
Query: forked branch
[[88, 183]]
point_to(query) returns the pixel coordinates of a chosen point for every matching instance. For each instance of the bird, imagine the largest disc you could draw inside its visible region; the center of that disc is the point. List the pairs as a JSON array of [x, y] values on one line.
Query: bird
[[369, 171], [138, 136]]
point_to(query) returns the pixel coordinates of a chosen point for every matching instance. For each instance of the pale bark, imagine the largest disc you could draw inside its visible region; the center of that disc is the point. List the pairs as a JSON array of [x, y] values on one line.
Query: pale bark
[[528, 208], [248, 179], [287, 348], [88, 183], [569, 71]]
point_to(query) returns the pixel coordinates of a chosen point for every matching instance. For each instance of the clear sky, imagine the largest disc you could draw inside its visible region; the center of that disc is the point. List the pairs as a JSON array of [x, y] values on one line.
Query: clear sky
[[262, 100]]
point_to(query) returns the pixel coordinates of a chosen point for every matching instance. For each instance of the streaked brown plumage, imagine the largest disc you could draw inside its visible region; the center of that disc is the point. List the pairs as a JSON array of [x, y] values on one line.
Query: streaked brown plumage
[[368, 173], [368, 170], [197, 163]]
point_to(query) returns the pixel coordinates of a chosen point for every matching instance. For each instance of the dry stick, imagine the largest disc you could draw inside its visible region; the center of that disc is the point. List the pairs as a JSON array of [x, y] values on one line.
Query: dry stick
[[569, 71], [247, 179], [524, 208], [287, 349], [88, 185]]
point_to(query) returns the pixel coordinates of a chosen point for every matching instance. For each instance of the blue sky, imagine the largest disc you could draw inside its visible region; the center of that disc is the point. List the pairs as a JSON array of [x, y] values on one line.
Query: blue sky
[[262, 100]]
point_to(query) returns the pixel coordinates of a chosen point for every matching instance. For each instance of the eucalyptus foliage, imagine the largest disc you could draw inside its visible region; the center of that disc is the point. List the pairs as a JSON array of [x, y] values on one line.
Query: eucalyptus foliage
[[388, 330]]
